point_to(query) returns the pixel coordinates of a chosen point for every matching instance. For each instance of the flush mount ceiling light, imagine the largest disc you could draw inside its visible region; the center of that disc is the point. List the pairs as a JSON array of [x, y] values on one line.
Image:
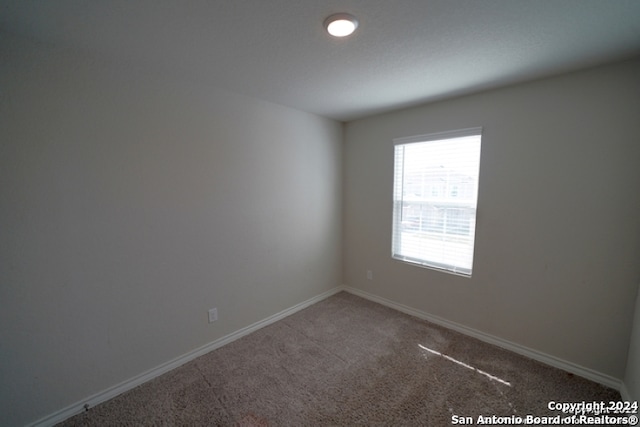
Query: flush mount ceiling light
[[341, 24]]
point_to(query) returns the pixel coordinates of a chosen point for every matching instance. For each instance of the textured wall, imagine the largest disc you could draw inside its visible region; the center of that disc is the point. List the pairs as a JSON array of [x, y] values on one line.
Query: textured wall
[[558, 225], [131, 205]]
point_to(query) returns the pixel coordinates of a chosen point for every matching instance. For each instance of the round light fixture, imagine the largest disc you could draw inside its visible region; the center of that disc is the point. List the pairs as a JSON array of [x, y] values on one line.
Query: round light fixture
[[341, 24]]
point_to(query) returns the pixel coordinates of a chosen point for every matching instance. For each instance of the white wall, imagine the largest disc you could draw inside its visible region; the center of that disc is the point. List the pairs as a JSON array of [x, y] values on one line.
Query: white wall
[[558, 227], [632, 373], [130, 206]]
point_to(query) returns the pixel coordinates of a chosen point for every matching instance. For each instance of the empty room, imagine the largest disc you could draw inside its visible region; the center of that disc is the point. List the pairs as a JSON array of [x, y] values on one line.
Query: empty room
[[359, 212]]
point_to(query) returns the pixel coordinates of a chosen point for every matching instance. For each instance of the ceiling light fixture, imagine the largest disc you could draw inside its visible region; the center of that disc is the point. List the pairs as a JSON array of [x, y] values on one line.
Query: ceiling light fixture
[[341, 24]]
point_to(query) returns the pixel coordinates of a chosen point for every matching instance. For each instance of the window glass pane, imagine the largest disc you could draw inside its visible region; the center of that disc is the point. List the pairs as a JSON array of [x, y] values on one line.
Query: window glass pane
[[435, 198]]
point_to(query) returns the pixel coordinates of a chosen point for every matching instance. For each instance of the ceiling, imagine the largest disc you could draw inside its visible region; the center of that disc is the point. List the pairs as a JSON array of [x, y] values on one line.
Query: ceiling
[[405, 52]]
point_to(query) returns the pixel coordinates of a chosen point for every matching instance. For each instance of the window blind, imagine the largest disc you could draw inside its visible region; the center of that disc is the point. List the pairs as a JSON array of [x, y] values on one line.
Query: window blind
[[435, 198]]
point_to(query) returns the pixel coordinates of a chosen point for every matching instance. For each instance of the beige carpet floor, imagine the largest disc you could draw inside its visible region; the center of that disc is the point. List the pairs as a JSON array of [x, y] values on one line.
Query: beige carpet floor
[[346, 361]]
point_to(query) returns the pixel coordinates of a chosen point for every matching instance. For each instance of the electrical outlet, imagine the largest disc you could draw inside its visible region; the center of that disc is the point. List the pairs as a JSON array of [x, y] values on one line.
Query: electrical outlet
[[213, 315], [369, 275]]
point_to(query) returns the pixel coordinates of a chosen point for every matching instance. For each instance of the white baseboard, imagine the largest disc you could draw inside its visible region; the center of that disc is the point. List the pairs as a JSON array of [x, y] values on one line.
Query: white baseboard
[[587, 373], [624, 392], [129, 384]]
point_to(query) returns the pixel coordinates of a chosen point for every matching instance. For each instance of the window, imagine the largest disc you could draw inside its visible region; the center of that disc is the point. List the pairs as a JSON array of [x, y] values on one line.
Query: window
[[434, 199]]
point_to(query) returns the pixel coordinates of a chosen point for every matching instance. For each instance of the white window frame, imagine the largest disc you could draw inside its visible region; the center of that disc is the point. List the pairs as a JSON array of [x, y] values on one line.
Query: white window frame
[[400, 251]]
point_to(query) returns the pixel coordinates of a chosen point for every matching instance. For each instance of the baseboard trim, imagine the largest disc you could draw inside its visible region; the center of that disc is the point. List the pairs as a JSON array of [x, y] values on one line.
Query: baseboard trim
[[587, 373], [624, 392], [131, 383]]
